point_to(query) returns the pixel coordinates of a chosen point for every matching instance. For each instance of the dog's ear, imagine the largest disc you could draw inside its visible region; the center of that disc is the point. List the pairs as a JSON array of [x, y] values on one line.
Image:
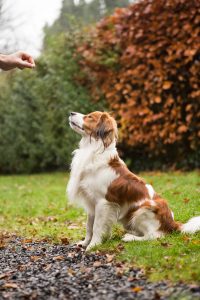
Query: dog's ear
[[106, 129]]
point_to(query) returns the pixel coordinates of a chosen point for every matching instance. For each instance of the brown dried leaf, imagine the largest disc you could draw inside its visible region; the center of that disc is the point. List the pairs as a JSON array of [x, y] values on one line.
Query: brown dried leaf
[[64, 241], [73, 226], [120, 247], [47, 267], [26, 241], [35, 257], [165, 244], [2, 245], [97, 264], [186, 200], [176, 193], [186, 238], [119, 272], [130, 279], [4, 275], [10, 285], [59, 257], [70, 272], [109, 258], [71, 254], [196, 242], [137, 289]]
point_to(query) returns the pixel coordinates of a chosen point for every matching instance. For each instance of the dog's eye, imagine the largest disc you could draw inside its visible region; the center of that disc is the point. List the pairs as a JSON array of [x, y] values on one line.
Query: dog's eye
[[89, 117]]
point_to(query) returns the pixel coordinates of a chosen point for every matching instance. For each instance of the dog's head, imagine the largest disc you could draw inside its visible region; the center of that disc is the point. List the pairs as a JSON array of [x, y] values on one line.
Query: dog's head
[[97, 125]]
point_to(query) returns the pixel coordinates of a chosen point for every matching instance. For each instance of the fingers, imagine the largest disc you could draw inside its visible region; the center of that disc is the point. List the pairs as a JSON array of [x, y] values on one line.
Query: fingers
[[25, 64], [25, 60], [28, 58]]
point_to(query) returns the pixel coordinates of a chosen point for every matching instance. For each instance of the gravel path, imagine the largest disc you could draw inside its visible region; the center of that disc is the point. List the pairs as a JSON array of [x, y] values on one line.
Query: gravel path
[[39, 270]]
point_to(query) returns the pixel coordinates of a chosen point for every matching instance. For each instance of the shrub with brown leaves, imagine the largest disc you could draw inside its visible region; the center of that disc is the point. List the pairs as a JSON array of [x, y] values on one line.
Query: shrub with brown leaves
[[145, 61]]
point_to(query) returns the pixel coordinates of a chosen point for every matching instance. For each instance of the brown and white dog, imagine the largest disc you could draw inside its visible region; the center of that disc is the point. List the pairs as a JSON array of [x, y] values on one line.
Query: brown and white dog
[[109, 192]]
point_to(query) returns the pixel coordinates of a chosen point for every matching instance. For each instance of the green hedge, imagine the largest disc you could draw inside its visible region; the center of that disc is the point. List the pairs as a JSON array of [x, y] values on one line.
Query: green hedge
[[34, 108]]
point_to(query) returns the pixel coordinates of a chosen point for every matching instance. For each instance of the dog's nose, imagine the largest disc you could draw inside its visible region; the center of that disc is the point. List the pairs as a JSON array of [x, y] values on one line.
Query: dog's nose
[[72, 113]]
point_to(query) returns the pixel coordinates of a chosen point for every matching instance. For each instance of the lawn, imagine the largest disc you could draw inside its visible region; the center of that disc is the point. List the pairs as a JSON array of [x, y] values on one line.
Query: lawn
[[35, 206]]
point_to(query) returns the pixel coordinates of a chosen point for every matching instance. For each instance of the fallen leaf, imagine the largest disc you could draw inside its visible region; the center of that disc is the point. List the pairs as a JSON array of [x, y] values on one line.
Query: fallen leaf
[[26, 241], [97, 264], [196, 242], [88, 270], [4, 275], [64, 241], [21, 268], [167, 257], [59, 257], [120, 247], [109, 258], [156, 296], [186, 200], [136, 289], [165, 244], [130, 279], [73, 226], [10, 285], [70, 272], [47, 267], [176, 193], [2, 245], [186, 238], [119, 272], [71, 254], [50, 219], [35, 258], [30, 248]]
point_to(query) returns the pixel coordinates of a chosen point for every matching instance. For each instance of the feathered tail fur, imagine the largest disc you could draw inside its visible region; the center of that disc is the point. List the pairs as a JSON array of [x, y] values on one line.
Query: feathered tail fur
[[192, 226]]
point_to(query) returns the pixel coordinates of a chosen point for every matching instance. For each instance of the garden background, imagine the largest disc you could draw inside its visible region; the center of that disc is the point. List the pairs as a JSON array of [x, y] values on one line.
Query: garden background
[[139, 61], [142, 63]]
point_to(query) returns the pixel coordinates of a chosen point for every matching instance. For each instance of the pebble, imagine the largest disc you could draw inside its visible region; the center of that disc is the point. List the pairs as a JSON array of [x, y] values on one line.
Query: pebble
[[39, 270]]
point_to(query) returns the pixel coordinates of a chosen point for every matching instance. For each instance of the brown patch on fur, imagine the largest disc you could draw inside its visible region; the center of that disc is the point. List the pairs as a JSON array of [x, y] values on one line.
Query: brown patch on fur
[[164, 215], [127, 188], [100, 125]]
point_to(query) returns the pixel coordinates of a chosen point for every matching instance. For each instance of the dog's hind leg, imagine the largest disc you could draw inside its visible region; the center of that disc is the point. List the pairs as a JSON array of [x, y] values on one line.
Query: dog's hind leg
[[143, 226], [106, 215], [128, 237], [89, 231]]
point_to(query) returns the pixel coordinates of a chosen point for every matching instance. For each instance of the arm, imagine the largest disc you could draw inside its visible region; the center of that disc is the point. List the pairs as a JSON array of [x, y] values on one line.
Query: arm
[[19, 60]]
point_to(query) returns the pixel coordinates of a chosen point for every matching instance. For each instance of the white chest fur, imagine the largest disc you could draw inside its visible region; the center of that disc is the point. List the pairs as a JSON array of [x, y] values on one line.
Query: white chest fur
[[90, 173]]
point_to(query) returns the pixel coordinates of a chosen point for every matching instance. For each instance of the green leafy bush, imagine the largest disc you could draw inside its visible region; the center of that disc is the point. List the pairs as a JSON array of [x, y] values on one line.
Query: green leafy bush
[[34, 108]]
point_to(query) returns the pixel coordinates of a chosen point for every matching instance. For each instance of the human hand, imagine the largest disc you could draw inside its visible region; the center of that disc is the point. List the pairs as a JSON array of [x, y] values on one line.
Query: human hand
[[19, 60]]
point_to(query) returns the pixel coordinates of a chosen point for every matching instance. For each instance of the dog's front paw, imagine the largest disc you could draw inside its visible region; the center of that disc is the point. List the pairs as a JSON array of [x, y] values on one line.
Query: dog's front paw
[[91, 245], [83, 243]]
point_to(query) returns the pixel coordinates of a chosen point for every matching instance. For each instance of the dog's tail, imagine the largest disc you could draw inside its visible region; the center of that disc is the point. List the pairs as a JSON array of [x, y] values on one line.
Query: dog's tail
[[168, 223], [192, 226]]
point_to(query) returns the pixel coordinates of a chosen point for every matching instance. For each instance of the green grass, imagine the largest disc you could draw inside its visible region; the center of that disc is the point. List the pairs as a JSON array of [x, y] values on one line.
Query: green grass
[[35, 206]]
